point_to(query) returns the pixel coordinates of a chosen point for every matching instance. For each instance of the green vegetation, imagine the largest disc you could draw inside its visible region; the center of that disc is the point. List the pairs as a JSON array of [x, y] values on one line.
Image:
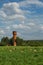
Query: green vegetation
[[20, 42], [21, 55]]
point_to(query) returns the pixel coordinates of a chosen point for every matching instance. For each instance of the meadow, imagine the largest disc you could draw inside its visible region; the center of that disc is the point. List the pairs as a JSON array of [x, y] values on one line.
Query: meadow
[[21, 55]]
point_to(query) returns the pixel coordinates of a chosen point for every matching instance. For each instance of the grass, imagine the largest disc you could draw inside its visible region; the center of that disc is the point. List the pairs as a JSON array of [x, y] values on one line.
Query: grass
[[21, 55]]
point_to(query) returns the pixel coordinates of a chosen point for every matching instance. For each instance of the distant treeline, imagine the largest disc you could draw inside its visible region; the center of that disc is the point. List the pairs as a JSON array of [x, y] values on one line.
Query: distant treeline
[[20, 42]]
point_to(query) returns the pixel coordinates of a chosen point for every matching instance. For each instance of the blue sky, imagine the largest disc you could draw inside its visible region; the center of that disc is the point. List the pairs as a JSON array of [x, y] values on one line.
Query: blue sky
[[23, 16]]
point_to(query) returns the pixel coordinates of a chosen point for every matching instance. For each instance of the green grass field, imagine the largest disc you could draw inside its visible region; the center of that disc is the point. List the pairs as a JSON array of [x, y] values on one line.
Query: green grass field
[[21, 55]]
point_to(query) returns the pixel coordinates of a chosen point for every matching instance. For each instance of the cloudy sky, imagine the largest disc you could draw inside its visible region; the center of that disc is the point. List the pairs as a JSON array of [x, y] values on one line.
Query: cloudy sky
[[23, 16]]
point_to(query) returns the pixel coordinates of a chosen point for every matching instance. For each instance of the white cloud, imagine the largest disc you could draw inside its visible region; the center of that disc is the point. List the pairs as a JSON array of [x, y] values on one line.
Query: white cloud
[[11, 8], [2, 31], [19, 34], [28, 2], [31, 24], [14, 4], [8, 27], [14, 18], [2, 14], [12, 11], [22, 22], [21, 26], [41, 27]]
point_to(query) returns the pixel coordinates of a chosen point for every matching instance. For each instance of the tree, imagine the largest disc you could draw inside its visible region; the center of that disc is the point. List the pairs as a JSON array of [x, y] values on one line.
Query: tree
[[11, 41], [19, 41], [5, 41]]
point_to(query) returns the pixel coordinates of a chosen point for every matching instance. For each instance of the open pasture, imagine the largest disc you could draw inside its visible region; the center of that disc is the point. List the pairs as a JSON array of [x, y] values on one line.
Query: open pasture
[[21, 55]]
